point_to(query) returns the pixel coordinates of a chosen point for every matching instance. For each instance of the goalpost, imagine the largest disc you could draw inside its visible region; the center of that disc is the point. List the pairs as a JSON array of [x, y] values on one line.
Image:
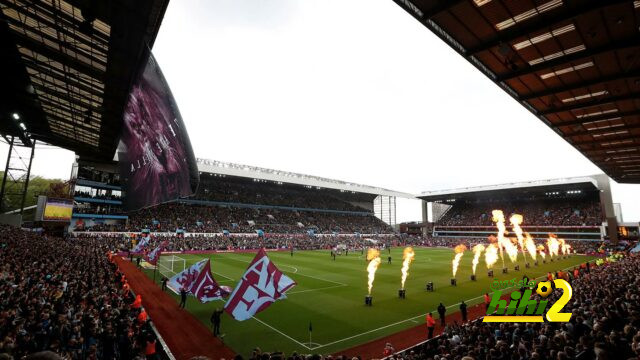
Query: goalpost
[[170, 265]]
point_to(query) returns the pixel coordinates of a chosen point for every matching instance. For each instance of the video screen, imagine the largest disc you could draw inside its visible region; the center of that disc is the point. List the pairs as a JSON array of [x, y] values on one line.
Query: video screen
[[58, 210]]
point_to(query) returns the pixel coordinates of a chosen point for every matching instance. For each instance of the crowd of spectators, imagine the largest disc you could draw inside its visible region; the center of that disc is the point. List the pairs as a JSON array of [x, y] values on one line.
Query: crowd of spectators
[[91, 174], [197, 242], [92, 208], [249, 191], [65, 296], [216, 219], [98, 195], [605, 325], [566, 212], [244, 242]]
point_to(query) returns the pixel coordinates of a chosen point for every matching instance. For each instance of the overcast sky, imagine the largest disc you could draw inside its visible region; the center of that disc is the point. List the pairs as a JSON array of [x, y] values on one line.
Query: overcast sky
[[350, 89]]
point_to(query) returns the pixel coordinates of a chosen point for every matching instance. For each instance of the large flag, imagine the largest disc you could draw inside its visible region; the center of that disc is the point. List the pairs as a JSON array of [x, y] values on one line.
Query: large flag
[[205, 288], [187, 277], [141, 245], [260, 286], [153, 256]]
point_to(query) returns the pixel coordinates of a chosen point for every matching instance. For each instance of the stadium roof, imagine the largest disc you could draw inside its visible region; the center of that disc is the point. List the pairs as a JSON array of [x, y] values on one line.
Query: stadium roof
[[67, 68], [247, 171], [583, 183], [575, 64]]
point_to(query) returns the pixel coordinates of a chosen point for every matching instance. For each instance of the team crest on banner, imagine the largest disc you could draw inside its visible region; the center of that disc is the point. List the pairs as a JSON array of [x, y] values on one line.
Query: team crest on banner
[[260, 286], [205, 288], [141, 245], [154, 255], [187, 277]]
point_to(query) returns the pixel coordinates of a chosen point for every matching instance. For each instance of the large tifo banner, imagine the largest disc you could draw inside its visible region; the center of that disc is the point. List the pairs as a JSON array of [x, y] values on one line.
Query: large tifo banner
[[155, 155]]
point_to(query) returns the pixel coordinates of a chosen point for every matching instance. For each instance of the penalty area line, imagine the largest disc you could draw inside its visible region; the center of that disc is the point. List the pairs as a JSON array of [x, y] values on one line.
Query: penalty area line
[[281, 333]]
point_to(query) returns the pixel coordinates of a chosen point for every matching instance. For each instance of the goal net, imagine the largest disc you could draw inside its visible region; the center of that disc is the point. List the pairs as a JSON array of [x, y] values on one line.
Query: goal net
[[170, 265]]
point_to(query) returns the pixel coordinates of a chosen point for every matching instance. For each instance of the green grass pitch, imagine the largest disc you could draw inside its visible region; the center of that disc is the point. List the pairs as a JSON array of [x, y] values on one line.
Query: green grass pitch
[[330, 294]]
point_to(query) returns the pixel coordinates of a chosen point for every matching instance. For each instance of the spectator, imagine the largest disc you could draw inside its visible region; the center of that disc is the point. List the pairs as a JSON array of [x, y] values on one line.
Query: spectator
[[431, 324]]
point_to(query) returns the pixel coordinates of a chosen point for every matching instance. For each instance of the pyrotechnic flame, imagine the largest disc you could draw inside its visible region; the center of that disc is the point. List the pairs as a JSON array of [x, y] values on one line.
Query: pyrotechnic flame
[[491, 255], [459, 250], [563, 246], [541, 249], [498, 218], [407, 257], [477, 251], [504, 243], [511, 249], [373, 256], [530, 246], [516, 220], [553, 245]]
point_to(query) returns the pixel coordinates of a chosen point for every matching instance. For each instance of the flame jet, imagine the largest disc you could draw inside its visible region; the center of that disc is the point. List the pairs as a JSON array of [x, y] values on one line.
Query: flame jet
[[407, 258], [498, 218], [516, 220], [553, 245], [530, 246], [459, 250], [373, 256], [491, 255], [563, 246], [541, 250], [477, 251]]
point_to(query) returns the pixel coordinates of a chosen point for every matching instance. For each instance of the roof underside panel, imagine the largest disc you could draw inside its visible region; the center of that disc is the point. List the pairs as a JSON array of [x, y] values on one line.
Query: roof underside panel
[[76, 60], [575, 64]]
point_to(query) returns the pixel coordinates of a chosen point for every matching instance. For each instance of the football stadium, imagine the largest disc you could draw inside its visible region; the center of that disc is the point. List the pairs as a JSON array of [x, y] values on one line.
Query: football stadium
[[147, 248]]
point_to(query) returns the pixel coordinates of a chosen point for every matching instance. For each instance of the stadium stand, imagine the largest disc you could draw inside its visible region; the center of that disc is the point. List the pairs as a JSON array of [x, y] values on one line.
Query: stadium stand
[[249, 191], [238, 199], [579, 208], [66, 297], [545, 212], [216, 219]]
